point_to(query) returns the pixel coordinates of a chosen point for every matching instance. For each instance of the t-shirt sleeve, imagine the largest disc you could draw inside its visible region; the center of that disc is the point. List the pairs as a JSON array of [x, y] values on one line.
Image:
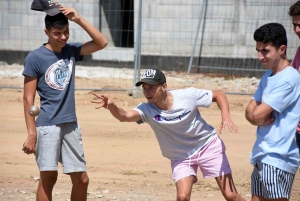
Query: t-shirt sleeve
[[280, 97], [258, 93], [262, 84], [76, 48], [202, 97], [31, 67], [140, 109]]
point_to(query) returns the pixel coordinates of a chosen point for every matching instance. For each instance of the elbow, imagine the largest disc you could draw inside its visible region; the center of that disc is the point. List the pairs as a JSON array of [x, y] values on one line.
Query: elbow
[[257, 117], [257, 120], [27, 100], [254, 118], [103, 44], [99, 44], [249, 117], [122, 119]]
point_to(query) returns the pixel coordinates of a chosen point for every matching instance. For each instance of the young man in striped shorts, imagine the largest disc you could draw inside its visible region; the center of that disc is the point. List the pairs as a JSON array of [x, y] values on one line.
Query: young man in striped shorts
[[275, 109]]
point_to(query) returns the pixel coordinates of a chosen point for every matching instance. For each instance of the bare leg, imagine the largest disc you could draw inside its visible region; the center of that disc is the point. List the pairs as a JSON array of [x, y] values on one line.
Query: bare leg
[[257, 198], [80, 181], [227, 188], [46, 184], [184, 188]]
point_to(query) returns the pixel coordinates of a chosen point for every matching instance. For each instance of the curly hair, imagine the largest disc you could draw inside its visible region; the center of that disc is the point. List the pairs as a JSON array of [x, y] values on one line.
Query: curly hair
[[295, 9], [273, 33]]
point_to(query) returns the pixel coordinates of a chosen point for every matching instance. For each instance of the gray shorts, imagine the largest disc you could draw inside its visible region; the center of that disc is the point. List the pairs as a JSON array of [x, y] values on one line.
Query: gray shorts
[[61, 143]]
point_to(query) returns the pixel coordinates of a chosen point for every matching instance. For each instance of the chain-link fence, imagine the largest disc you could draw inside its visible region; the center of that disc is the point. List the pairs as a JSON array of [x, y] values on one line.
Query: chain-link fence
[[200, 43]]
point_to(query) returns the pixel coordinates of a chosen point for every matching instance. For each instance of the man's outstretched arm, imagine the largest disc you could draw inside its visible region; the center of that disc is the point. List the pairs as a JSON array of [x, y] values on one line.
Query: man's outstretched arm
[[119, 113]]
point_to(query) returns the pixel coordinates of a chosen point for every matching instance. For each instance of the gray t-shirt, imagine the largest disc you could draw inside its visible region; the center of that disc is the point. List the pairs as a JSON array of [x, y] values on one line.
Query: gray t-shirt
[[56, 76], [180, 131]]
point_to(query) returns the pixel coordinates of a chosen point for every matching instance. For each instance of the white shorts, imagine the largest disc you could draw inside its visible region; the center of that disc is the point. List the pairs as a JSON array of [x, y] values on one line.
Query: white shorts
[[60, 143]]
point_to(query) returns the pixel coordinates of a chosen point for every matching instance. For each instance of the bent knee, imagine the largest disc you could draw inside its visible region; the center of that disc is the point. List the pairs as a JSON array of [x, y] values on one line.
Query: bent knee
[[183, 197], [83, 181], [49, 177]]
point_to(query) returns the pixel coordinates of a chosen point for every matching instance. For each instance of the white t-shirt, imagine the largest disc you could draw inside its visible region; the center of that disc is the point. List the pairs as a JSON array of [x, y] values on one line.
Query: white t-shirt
[[180, 131]]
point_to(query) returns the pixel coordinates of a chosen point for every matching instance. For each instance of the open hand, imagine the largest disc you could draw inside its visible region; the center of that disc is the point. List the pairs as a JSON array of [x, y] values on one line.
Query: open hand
[[102, 101], [70, 13], [227, 122]]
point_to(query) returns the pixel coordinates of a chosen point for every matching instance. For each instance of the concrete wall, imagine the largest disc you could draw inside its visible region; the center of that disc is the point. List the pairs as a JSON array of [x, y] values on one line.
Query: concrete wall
[[22, 29], [168, 27]]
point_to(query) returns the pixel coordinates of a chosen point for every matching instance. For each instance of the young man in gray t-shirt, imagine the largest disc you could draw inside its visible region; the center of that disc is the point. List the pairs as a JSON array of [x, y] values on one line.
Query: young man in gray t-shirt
[[183, 135], [50, 70]]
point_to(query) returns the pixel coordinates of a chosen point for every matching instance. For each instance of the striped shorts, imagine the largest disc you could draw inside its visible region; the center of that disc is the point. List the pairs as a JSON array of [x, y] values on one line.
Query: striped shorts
[[270, 182]]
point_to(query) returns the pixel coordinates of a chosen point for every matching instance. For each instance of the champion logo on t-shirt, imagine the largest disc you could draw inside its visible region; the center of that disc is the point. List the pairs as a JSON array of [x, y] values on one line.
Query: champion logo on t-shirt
[[158, 118], [179, 117], [58, 74]]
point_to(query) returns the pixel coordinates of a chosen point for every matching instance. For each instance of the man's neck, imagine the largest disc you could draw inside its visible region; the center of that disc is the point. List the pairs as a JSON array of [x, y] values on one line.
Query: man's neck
[[53, 48], [166, 102], [281, 65]]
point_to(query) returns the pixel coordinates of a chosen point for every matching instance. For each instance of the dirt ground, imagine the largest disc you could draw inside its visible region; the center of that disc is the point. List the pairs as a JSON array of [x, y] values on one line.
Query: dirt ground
[[123, 159]]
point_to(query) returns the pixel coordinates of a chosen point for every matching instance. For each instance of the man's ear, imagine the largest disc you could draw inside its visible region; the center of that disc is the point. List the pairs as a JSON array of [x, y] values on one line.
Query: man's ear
[[46, 32], [282, 49], [164, 86]]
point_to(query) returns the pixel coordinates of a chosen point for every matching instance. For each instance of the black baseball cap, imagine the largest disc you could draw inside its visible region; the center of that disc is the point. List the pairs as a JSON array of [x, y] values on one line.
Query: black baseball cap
[[51, 7], [152, 77]]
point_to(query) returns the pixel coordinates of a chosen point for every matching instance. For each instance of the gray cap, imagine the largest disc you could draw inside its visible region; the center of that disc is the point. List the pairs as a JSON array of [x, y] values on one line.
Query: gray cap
[[51, 7]]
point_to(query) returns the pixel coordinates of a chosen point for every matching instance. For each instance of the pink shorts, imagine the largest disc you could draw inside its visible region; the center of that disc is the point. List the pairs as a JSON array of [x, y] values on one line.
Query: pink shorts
[[211, 160]]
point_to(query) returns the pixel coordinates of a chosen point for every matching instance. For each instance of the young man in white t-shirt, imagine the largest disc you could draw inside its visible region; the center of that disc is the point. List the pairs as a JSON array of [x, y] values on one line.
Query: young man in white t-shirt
[[183, 135], [275, 109]]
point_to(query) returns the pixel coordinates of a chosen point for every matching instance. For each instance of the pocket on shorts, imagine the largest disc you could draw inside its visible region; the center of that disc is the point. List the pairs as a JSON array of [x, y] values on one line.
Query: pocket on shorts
[[77, 135], [42, 131]]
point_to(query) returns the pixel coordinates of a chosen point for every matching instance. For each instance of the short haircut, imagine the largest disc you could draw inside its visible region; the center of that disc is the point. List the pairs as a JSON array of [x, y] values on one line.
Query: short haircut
[[57, 21], [273, 33], [295, 9]]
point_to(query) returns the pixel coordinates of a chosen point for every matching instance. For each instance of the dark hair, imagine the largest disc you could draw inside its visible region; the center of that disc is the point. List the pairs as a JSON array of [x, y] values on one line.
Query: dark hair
[[273, 33], [57, 21], [295, 9]]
